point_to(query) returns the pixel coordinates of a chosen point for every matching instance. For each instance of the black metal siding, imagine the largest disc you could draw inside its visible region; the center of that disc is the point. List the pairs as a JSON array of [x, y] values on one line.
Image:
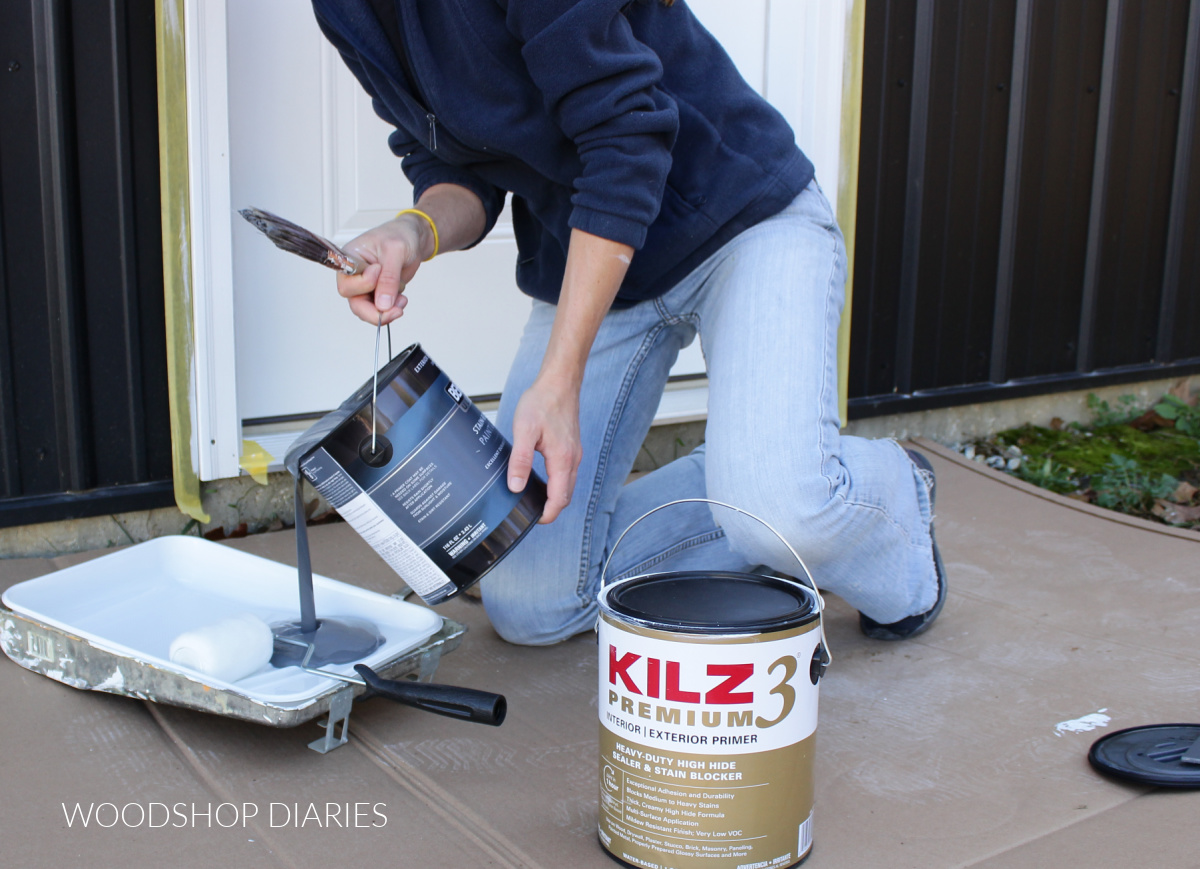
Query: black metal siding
[[1184, 314], [83, 404], [1137, 182], [1020, 180], [1053, 188], [882, 181], [959, 229]]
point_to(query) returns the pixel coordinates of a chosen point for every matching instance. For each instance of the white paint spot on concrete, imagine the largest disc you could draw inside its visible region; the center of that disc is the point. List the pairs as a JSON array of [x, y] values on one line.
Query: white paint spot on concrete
[[1083, 725]]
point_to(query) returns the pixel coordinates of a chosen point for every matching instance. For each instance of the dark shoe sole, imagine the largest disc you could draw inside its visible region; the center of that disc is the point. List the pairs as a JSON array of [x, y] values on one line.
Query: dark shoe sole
[[913, 625]]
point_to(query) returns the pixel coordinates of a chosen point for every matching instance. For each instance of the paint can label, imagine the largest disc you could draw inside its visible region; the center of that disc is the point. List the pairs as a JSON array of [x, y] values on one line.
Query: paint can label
[[442, 492], [364, 514], [706, 746]]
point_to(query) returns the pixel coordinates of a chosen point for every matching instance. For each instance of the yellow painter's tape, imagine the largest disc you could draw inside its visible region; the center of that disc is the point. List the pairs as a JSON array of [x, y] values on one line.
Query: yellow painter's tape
[[254, 461], [847, 205], [176, 236]]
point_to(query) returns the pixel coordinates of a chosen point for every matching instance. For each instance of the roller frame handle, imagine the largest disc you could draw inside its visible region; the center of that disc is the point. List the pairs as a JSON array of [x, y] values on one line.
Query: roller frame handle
[[465, 704]]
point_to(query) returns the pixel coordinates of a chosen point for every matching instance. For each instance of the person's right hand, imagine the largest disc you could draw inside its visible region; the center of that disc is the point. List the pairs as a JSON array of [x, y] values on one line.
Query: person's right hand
[[547, 420], [393, 253]]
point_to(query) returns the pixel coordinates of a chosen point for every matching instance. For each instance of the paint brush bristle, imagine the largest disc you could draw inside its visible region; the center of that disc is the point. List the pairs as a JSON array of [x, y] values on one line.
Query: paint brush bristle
[[296, 239]]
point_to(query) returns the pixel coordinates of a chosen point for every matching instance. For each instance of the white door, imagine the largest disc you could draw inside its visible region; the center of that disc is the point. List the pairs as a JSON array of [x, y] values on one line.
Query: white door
[[303, 142]]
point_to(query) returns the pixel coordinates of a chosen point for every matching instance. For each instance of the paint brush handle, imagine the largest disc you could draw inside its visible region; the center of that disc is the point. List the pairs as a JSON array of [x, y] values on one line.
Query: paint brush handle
[[346, 263], [465, 704]]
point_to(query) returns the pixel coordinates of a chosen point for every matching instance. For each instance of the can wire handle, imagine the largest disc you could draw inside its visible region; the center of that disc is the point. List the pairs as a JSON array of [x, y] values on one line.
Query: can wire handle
[[810, 589]]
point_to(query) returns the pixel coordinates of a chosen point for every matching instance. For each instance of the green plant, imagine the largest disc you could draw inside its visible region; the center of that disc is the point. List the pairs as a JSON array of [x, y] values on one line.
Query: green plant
[[1105, 414], [1185, 417], [1122, 485], [1048, 474]]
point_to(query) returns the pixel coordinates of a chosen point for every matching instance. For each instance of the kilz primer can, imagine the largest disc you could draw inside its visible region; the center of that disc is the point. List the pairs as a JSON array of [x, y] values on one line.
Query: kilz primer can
[[421, 475], [708, 717]]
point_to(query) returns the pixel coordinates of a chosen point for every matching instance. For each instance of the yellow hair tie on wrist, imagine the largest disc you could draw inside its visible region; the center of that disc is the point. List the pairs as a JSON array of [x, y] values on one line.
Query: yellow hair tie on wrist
[[432, 226]]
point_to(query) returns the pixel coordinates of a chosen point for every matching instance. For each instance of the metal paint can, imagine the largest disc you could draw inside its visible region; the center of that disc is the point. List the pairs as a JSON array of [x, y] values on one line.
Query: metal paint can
[[422, 476], [708, 716]]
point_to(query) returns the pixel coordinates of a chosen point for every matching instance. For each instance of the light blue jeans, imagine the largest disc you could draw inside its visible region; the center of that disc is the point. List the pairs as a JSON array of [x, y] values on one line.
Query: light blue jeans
[[766, 307]]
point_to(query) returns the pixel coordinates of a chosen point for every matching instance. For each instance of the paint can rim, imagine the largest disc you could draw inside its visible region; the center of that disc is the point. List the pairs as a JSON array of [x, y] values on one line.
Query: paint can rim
[[669, 601], [312, 439]]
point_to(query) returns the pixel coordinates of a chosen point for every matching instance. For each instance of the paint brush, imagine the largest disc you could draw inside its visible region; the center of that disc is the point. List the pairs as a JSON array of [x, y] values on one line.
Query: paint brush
[[296, 239]]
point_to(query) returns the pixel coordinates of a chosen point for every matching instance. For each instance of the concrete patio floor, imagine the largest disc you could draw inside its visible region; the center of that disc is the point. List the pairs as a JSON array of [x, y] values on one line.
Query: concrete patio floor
[[937, 752]]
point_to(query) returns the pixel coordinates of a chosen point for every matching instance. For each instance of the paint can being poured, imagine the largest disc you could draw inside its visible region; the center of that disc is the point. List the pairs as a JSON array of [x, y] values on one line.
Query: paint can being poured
[[708, 716], [422, 477]]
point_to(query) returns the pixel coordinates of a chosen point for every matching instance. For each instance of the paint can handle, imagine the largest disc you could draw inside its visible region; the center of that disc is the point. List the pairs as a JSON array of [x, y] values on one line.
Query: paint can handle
[[810, 589]]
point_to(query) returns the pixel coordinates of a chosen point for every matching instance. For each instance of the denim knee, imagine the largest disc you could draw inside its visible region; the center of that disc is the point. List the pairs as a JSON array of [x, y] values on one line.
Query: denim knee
[[529, 616], [807, 520]]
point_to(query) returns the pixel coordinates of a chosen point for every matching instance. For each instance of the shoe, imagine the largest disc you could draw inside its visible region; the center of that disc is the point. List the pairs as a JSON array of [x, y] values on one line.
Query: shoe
[[913, 625]]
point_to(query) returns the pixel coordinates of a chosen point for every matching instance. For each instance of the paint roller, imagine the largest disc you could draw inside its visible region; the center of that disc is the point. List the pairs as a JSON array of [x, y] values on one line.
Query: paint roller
[[238, 646], [229, 650]]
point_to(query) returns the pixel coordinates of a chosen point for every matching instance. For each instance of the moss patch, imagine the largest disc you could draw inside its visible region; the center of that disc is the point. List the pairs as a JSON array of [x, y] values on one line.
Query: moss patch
[[1088, 451], [1145, 464]]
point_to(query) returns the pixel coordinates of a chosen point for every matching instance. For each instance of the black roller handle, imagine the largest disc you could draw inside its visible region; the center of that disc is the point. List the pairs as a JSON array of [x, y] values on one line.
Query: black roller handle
[[465, 704]]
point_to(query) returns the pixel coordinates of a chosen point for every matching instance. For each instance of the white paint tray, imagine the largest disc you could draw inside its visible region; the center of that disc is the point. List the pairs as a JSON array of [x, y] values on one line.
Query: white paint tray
[[132, 603]]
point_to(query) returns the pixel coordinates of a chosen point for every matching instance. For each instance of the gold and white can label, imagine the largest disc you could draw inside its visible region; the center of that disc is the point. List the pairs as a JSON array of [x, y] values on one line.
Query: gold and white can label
[[706, 742]]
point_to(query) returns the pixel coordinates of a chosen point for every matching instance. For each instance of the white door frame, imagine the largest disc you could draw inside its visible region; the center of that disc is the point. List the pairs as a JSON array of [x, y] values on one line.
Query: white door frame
[[216, 429]]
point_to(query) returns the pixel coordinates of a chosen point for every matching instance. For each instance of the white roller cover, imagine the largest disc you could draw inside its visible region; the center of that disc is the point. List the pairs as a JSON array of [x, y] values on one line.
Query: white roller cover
[[229, 650]]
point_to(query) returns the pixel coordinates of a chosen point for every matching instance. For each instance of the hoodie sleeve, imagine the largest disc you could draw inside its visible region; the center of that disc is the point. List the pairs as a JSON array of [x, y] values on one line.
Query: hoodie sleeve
[[420, 166], [600, 84]]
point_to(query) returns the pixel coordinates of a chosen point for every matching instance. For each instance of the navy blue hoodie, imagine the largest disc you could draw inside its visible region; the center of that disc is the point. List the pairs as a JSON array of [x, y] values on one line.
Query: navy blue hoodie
[[624, 119]]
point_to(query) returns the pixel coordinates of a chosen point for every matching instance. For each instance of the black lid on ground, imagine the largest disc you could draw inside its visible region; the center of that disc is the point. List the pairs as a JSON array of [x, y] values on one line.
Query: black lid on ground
[[1152, 754], [713, 602]]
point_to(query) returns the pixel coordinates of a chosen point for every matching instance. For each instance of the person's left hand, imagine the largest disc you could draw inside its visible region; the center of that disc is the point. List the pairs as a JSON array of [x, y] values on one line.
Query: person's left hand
[[547, 415], [547, 420]]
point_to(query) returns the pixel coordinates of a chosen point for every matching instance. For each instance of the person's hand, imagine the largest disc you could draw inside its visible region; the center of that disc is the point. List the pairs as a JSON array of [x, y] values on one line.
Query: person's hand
[[393, 253], [547, 416], [547, 420]]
